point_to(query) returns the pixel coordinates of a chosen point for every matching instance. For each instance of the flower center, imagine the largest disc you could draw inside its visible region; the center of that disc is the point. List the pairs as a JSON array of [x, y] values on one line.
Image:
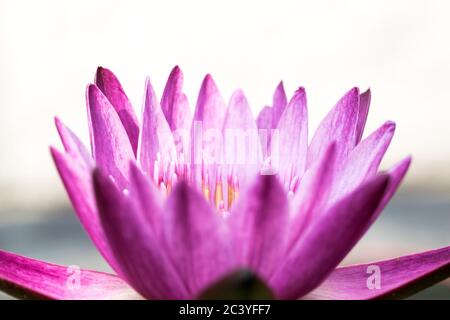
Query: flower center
[[221, 194]]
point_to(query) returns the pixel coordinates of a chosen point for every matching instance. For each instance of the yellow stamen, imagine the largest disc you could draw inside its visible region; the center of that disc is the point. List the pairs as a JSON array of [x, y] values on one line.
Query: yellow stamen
[[218, 195], [206, 191], [230, 195], [169, 187]]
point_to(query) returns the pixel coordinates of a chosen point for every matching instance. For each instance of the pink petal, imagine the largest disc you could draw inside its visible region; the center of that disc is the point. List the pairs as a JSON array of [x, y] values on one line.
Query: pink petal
[[144, 193], [311, 198], [264, 119], [29, 278], [264, 123], [279, 104], [210, 107], [209, 116], [396, 175], [108, 83], [155, 137], [78, 183], [364, 104], [289, 150], [239, 115], [110, 144], [399, 277], [240, 133], [258, 224], [174, 103], [73, 145], [144, 262], [196, 239], [340, 126], [327, 241], [363, 161]]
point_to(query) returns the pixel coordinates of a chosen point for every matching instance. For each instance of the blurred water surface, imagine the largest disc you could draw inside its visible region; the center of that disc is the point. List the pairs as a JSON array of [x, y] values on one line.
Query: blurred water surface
[[409, 224]]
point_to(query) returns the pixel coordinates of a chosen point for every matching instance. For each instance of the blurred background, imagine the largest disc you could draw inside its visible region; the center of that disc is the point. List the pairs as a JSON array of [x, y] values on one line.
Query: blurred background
[[49, 51]]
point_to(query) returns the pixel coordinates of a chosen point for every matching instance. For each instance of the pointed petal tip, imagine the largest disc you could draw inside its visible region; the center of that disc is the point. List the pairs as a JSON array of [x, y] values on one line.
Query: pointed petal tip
[[368, 92], [176, 70], [280, 86], [300, 92], [238, 95], [57, 121], [101, 73], [92, 92], [55, 153], [208, 82], [354, 90], [403, 165], [389, 127]]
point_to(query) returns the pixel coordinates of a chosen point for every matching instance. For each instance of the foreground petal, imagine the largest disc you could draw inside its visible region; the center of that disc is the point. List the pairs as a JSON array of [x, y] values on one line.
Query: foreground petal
[[258, 225], [145, 195], [108, 83], [289, 149], [327, 241], [28, 278], [399, 277], [143, 261], [155, 139], [77, 181], [196, 239], [110, 144], [339, 125], [311, 198]]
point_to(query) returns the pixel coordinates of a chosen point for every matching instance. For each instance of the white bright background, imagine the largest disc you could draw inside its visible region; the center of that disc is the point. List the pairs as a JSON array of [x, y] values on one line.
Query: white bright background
[[49, 51]]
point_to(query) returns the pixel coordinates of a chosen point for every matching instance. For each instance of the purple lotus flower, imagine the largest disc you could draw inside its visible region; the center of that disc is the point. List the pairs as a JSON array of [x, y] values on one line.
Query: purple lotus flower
[[174, 212]]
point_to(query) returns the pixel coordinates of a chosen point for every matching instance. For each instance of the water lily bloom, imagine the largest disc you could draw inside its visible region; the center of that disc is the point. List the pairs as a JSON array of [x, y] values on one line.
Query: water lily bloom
[[178, 202]]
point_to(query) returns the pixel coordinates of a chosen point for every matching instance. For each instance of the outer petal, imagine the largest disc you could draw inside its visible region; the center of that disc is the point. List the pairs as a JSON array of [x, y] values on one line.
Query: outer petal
[[396, 175], [327, 241], [144, 262], [144, 194], [258, 225], [28, 278], [196, 239], [364, 104], [363, 161], [289, 150], [340, 126], [279, 104], [155, 137], [73, 145], [241, 138], [110, 144], [78, 183], [399, 278], [108, 83], [311, 198]]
